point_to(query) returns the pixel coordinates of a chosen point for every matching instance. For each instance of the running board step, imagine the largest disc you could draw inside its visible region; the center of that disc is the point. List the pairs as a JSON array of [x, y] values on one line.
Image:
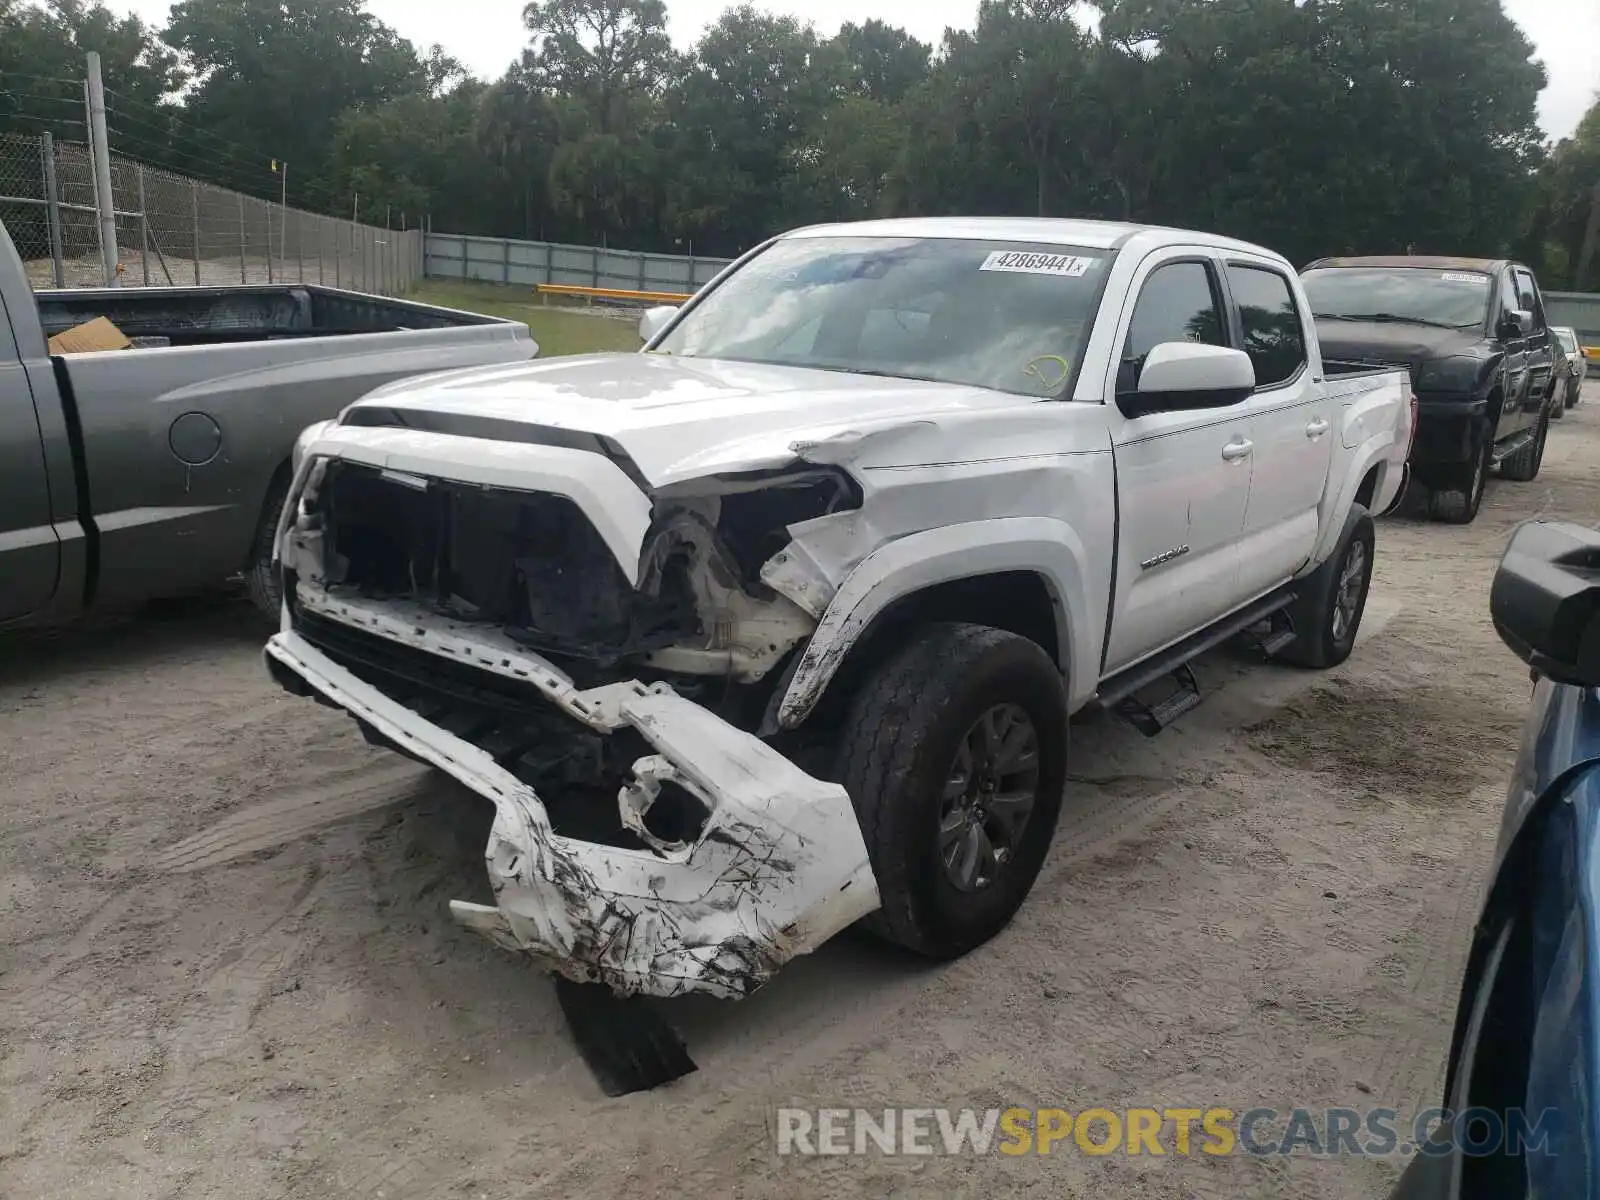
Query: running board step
[[1278, 639], [1505, 450], [1274, 642], [1139, 676], [1151, 719]]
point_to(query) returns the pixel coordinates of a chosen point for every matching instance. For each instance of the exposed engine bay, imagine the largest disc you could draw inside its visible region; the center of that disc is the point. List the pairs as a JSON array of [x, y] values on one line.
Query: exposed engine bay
[[532, 565], [529, 568]]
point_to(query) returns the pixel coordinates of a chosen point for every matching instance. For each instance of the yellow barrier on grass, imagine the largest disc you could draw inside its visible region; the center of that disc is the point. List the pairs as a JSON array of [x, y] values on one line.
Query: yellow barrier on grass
[[600, 293]]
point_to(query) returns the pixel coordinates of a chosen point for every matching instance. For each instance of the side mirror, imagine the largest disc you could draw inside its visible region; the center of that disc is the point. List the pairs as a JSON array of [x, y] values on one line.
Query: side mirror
[[655, 320], [1545, 601], [1518, 322], [1187, 375]]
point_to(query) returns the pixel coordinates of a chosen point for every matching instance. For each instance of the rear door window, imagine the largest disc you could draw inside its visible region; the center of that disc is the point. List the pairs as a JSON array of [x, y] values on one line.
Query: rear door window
[[1274, 337], [1528, 298]]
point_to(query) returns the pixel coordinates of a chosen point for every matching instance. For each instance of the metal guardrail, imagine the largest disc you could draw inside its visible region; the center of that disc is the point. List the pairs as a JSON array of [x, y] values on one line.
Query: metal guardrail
[[601, 293], [1580, 310]]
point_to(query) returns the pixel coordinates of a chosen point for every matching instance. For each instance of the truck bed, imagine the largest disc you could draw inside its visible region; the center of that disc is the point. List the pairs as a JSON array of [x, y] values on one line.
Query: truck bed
[[127, 474], [211, 315], [1336, 368]]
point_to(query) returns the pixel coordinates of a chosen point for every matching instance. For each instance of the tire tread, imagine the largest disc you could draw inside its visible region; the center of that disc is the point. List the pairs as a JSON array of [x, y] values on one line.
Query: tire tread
[[899, 702]]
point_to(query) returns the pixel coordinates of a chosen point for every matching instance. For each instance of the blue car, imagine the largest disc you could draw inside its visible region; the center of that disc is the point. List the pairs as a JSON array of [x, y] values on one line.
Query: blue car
[[1525, 1052]]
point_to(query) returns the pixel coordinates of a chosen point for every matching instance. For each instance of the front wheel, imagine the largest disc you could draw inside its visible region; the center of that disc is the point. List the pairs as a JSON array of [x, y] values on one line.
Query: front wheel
[[954, 755], [1332, 599], [1458, 504]]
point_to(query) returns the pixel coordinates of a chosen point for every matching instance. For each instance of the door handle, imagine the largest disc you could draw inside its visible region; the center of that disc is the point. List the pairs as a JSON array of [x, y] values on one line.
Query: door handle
[[1317, 428], [1234, 451]]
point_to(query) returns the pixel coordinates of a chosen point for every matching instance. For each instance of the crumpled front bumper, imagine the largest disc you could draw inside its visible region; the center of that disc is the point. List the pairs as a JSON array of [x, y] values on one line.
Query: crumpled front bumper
[[778, 868]]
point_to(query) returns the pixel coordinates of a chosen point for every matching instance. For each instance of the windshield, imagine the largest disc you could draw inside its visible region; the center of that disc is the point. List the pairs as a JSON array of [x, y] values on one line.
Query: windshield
[[1568, 340], [1452, 299], [1002, 315]]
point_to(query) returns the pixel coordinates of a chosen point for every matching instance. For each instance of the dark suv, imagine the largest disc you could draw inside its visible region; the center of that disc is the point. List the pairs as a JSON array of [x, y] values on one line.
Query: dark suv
[[1482, 359]]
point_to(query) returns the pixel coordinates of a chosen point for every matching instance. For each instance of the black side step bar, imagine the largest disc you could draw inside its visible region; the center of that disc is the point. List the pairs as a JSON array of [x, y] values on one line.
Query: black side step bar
[[1504, 450], [1151, 719], [1174, 661]]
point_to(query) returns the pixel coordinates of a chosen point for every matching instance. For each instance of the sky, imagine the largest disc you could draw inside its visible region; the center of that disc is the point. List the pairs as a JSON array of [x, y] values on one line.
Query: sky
[[1565, 33]]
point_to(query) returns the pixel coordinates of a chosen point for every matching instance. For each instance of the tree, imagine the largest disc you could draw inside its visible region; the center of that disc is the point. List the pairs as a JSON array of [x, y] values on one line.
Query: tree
[[1017, 80], [603, 54], [1568, 219], [277, 75], [42, 51], [1334, 125], [416, 156], [1312, 126], [850, 160], [516, 130], [741, 116], [881, 62]]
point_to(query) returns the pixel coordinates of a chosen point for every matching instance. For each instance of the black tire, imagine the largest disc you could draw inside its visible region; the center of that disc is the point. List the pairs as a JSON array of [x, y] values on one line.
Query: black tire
[[260, 580], [1458, 504], [1523, 466], [1327, 614], [907, 728]]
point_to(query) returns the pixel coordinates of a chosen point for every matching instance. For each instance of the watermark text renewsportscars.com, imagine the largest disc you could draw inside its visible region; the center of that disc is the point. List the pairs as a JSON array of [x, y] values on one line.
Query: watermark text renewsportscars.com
[[1178, 1132]]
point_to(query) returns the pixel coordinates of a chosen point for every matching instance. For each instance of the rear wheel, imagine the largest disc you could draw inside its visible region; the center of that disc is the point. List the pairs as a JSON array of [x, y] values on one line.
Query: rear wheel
[[1523, 466], [260, 580], [954, 755], [1327, 614], [1458, 503]]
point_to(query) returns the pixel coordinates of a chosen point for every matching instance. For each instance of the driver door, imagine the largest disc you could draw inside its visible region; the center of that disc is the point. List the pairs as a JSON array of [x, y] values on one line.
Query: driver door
[[1183, 478]]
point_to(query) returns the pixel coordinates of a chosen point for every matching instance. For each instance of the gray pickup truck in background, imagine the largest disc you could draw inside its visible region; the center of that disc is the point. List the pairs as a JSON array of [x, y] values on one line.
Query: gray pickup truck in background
[[131, 474]]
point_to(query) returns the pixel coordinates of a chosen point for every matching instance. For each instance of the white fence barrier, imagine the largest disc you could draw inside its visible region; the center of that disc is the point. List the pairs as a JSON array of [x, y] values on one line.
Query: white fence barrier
[[506, 261]]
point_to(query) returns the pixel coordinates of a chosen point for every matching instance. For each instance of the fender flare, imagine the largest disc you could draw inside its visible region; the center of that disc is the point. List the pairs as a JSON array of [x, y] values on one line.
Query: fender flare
[[1042, 546], [1362, 461]]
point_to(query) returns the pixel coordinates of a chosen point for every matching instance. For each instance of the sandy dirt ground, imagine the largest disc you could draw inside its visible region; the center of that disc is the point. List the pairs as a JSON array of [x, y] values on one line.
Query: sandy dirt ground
[[226, 966]]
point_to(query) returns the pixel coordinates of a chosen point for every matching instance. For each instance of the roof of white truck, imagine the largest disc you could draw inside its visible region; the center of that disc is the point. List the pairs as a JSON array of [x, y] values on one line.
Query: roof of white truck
[[1056, 231]]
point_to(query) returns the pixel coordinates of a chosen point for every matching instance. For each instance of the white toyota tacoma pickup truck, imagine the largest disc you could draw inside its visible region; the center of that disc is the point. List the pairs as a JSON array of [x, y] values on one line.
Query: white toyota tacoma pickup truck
[[778, 625]]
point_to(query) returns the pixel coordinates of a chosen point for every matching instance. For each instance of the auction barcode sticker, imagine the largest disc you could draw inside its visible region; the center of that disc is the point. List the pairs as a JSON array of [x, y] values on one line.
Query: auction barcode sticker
[[1019, 262], [1462, 277]]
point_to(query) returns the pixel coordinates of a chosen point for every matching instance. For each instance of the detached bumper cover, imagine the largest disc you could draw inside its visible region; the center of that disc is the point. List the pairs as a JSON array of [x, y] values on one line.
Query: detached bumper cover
[[779, 867]]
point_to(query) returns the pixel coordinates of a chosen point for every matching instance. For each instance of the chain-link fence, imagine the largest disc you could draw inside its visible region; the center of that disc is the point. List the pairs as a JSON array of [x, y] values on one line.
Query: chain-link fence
[[174, 231]]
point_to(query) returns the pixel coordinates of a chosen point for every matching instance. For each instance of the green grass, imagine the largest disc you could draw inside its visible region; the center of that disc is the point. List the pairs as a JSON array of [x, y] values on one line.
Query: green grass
[[557, 329]]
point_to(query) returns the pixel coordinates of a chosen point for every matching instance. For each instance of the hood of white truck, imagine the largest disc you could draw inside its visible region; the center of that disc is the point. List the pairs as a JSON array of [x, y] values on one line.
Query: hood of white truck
[[676, 418]]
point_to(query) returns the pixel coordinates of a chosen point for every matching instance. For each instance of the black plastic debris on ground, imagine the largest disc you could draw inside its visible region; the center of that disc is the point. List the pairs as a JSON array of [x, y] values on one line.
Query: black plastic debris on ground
[[628, 1045]]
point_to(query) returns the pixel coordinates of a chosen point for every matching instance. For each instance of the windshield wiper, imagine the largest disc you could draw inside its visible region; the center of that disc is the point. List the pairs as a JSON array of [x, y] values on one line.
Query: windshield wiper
[[1383, 318]]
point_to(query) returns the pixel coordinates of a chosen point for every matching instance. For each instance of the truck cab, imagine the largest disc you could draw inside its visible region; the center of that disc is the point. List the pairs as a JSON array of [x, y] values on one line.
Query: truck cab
[[1482, 355]]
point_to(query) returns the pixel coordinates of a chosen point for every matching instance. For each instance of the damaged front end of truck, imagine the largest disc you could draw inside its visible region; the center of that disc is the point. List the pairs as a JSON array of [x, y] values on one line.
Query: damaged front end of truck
[[605, 663]]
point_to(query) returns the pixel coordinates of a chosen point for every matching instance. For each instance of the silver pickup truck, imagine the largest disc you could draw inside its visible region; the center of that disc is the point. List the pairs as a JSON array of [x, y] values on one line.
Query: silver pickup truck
[[160, 469]]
